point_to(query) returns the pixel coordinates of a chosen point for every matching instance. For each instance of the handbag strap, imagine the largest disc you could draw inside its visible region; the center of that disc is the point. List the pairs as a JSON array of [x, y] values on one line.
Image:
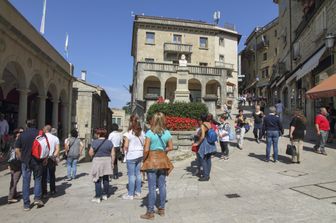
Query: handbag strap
[[95, 152], [140, 141], [162, 143]]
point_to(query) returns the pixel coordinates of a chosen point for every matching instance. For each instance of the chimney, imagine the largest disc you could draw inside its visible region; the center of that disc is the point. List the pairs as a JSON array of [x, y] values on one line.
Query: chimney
[[83, 75]]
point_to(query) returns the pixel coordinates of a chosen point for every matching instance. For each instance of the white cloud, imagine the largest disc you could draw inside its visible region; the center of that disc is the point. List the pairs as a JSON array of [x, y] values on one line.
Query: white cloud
[[119, 96]]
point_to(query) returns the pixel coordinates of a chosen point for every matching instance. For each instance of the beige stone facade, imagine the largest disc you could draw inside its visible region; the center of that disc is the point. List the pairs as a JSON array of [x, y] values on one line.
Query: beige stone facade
[[158, 44], [35, 80], [121, 118], [258, 59], [308, 60], [90, 109]]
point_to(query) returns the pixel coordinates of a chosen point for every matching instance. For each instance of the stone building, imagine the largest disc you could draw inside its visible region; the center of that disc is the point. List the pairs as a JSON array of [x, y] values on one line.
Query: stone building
[[210, 51], [120, 117], [90, 108], [309, 60], [258, 59], [35, 80]]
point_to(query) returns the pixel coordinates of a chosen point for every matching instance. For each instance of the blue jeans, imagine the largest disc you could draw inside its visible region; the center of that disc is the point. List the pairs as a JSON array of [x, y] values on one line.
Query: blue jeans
[[272, 139], [160, 177], [134, 176], [72, 167], [98, 186], [36, 168], [206, 164]]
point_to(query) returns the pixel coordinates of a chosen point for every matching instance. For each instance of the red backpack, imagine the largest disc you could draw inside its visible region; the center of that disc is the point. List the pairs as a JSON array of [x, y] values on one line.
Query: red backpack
[[41, 147]]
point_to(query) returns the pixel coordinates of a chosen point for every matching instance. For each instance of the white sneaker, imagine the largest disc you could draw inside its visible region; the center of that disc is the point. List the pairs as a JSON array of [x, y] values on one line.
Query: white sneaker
[[137, 196], [127, 197], [96, 200], [104, 197]]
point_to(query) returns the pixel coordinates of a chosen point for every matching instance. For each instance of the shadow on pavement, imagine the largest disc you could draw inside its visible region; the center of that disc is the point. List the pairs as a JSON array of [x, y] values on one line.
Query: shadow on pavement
[[192, 168], [257, 156], [65, 177]]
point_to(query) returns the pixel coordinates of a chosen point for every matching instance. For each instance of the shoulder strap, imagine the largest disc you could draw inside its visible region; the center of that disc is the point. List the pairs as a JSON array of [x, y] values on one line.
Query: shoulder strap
[[99, 147], [162, 143], [140, 141]]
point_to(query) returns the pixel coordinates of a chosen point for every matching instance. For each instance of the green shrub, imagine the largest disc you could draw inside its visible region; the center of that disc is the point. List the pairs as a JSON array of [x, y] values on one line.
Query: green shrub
[[179, 109]]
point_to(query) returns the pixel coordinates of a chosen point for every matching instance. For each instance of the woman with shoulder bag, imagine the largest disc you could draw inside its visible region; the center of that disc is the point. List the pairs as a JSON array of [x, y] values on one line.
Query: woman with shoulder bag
[[103, 154], [297, 131], [133, 148], [73, 150], [158, 143], [15, 169]]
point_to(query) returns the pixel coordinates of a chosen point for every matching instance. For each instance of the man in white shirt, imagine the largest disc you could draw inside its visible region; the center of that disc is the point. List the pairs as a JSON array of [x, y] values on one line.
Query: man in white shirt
[[115, 137], [50, 166], [4, 128]]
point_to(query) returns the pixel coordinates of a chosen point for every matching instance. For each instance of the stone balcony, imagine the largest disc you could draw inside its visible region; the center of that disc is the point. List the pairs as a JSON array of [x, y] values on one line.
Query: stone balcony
[[178, 47], [221, 64], [172, 68]]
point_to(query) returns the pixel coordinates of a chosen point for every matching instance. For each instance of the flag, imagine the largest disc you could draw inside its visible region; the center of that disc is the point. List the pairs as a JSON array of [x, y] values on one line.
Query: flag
[[43, 17], [66, 43]]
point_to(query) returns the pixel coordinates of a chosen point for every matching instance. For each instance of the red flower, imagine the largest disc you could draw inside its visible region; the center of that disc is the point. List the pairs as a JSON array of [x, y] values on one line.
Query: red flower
[[180, 123]]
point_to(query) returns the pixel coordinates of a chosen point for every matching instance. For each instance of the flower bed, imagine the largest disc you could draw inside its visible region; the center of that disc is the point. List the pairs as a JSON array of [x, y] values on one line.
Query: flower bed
[[180, 123]]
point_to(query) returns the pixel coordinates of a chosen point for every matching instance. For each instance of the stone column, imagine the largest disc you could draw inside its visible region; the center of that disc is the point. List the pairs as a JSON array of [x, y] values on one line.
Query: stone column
[[162, 88], [42, 111], [203, 90], [55, 113], [65, 119], [23, 107], [182, 92]]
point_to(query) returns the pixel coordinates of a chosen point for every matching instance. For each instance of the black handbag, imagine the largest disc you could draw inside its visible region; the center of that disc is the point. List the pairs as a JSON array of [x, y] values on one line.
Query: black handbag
[[291, 150]]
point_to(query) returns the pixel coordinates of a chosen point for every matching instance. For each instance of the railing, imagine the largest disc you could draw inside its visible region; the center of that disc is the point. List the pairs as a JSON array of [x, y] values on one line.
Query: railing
[[230, 26], [224, 65], [263, 44], [157, 67], [163, 67], [206, 70], [178, 47]]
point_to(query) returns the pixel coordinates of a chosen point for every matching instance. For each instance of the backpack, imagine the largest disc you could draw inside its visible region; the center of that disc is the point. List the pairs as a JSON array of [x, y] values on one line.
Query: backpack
[[211, 135], [232, 134], [41, 147]]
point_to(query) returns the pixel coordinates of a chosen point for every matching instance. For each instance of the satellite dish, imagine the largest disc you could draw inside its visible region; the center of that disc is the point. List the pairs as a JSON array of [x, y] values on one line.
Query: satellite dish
[[132, 14], [142, 14]]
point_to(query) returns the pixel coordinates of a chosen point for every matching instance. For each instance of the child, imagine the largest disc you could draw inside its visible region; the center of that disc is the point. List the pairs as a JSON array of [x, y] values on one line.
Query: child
[[224, 136]]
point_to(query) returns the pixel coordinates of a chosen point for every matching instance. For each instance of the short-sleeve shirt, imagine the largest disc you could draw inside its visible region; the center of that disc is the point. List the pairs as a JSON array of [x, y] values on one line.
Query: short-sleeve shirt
[[135, 145], [105, 148], [300, 127], [322, 122], [53, 141], [155, 142], [258, 118], [25, 143], [115, 137]]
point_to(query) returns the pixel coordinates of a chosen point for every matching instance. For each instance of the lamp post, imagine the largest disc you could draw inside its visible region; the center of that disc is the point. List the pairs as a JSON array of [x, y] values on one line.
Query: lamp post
[[329, 42]]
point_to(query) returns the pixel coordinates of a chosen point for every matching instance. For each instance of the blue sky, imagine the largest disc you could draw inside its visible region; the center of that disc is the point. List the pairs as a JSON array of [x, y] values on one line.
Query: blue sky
[[100, 31]]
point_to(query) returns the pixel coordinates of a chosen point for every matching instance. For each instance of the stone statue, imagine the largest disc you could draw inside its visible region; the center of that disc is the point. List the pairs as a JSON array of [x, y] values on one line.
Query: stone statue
[[183, 61]]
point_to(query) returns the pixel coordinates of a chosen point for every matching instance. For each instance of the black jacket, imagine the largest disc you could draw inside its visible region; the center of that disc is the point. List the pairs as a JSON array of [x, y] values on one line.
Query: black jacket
[[272, 123]]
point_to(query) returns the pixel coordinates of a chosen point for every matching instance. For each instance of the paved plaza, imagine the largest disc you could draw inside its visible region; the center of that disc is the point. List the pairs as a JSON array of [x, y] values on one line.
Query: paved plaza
[[241, 189]]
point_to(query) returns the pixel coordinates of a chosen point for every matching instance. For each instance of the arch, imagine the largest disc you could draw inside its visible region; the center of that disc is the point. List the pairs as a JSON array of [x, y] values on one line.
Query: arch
[[212, 87], [63, 97], [14, 77], [36, 84], [151, 87], [195, 88], [19, 67], [170, 88], [52, 90]]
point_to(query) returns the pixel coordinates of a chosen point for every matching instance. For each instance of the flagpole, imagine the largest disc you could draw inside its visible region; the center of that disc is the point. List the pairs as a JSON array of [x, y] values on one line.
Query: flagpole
[[66, 46], [42, 27]]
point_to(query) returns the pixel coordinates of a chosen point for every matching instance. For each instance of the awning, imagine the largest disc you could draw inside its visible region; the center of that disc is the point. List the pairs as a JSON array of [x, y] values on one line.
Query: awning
[[325, 89], [230, 84], [307, 66], [251, 85], [262, 84]]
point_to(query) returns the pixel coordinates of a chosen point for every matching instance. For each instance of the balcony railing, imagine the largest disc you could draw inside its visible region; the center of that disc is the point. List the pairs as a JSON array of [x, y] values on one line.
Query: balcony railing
[[263, 45], [206, 70], [163, 67], [178, 47], [221, 64]]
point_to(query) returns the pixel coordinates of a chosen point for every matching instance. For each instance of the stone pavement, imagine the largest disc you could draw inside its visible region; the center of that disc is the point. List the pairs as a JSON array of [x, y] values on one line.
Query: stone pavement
[[241, 189]]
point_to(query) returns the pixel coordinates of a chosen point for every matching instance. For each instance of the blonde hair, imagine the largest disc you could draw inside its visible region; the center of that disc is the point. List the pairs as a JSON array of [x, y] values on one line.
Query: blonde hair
[[158, 123]]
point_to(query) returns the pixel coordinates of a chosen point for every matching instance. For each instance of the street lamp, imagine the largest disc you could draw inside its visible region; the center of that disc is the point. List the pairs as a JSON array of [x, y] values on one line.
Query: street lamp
[[329, 40]]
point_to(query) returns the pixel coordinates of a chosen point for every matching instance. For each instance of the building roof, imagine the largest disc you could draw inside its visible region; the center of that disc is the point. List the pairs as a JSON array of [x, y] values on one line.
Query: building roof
[[260, 30], [96, 87]]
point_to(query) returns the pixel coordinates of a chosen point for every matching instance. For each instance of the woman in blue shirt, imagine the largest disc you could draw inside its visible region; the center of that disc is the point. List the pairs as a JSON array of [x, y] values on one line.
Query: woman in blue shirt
[[158, 143]]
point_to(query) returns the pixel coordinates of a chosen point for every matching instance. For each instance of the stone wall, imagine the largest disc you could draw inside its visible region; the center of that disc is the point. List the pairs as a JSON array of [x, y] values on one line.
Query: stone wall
[[182, 141]]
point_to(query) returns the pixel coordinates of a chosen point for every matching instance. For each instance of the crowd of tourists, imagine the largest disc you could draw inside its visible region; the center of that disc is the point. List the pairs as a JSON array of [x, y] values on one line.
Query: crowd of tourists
[[145, 152]]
